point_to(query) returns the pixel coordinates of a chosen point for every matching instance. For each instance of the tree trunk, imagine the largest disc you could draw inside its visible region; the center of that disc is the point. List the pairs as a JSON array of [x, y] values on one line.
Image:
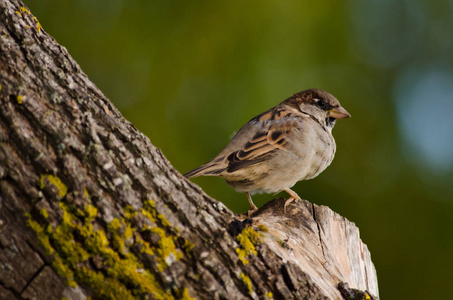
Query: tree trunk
[[89, 207]]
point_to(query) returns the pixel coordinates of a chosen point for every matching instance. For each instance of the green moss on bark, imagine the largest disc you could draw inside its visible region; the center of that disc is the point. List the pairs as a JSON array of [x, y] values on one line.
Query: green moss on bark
[[76, 246]]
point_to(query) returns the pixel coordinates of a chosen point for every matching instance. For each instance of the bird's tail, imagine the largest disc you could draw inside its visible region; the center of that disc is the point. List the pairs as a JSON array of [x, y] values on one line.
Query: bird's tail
[[209, 169]]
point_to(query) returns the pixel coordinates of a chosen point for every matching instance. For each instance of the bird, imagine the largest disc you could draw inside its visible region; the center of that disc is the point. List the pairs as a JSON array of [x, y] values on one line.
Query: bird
[[288, 143]]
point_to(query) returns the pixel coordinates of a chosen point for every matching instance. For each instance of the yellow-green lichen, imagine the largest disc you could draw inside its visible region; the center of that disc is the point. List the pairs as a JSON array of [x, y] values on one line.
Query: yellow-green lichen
[[248, 238], [121, 231], [129, 212], [115, 224], [185, 295], [25, 10], [149, 210], [163, 220], [75, 245], [44, 180], [105, 287], [41, 234], [38, 25], [145, 246], [167, 252], [263, 228], [86, 194], [148, 215], [118, 241], [128, 231], [248, 282], [44, 213], [64, 271], [124, 277], [149, 204], [91, 212], [188, 246]]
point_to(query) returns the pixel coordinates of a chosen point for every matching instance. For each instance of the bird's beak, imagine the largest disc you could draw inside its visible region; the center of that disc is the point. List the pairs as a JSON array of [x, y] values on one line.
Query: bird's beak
[[339, 113]]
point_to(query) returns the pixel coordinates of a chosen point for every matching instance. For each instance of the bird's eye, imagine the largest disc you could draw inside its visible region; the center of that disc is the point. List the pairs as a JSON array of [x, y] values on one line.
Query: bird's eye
[[322, 103]]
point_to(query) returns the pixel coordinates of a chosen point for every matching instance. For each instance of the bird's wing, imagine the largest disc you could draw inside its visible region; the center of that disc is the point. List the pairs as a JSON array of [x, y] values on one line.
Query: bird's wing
[[249, 147], [262, 146]]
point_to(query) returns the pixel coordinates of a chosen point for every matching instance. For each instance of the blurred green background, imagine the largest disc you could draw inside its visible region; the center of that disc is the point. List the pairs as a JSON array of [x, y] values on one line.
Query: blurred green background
[[190, 74]]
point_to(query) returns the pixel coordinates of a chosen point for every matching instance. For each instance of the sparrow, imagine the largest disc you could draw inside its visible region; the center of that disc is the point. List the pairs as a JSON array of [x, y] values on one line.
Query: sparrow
[[288, 143]]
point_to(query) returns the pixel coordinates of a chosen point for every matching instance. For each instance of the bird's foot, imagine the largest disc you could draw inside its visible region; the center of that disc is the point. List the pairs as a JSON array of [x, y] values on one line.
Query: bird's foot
[[253, 207], [293, 197], [288, 201], [252, 211]]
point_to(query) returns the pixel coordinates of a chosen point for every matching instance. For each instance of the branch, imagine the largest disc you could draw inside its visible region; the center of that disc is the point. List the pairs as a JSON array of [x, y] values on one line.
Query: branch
[[89, 207]]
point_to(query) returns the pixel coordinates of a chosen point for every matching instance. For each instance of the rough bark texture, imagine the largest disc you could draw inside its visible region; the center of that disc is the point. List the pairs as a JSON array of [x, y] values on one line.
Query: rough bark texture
[[89, 207]]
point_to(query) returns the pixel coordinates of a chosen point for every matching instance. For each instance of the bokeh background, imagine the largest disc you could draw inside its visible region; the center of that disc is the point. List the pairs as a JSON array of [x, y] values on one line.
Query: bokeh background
[[189, 73]]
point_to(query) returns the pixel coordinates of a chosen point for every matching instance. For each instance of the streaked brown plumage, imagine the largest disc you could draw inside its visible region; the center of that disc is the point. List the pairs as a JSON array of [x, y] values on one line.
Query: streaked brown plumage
[[287, 143]]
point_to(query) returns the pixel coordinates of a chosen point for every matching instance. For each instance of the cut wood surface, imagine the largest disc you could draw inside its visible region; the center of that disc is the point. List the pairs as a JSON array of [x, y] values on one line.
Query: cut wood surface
[[325, 245], [90, 208]]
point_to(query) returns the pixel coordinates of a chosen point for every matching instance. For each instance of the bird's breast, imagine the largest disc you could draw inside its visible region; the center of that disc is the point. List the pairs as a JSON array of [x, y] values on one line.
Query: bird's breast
[[315, 150]]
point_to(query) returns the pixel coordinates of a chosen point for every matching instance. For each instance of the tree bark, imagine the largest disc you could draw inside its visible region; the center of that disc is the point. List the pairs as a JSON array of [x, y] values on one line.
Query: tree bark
[[89, 207]]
